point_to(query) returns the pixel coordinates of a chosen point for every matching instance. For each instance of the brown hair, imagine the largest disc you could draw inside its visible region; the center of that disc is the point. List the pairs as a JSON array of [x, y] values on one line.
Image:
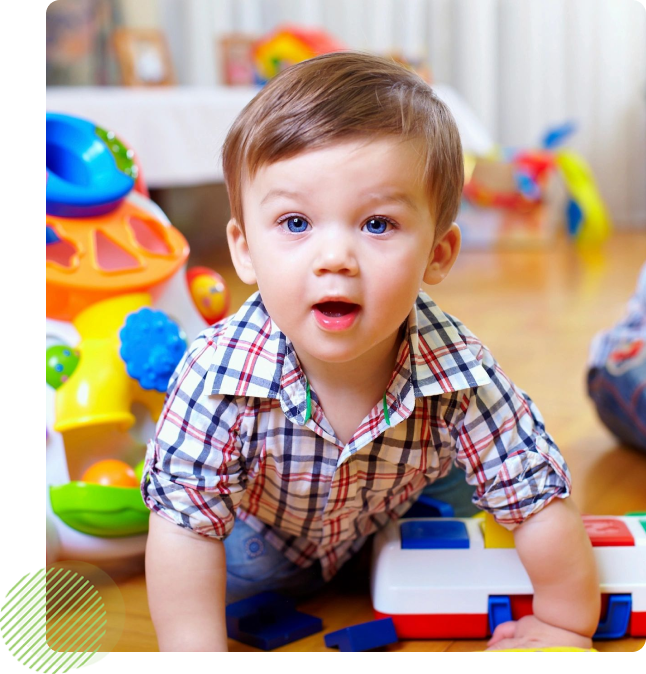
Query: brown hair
[[341, 96]]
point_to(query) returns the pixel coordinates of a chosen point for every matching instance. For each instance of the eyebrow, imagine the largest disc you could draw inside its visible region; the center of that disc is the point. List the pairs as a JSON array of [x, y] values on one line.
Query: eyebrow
[[276, 193], [387, 196], [392, 197]]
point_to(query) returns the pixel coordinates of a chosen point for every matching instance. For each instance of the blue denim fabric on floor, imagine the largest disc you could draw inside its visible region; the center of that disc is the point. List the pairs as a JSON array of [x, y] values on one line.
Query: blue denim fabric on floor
[[621, 402], [255, 566], [454, 490]]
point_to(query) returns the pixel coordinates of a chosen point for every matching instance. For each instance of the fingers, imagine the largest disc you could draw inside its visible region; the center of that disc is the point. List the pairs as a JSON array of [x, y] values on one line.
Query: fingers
[[503, 631]]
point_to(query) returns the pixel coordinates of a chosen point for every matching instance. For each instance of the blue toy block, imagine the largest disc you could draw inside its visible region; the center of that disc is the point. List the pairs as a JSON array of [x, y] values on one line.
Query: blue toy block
[[427, 506], [363, 637], [52, 237], [556, 136], [615, 623], [434, 534], [269, 620], [499, 611], [613, 626], [574, 216]]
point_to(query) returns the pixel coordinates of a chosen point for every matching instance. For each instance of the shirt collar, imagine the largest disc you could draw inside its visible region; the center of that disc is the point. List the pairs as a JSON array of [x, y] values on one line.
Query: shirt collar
[[253, 357]]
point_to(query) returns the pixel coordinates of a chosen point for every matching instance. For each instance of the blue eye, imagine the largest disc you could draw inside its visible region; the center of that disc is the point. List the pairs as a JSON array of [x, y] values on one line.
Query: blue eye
[[296, 225], [377, 225]]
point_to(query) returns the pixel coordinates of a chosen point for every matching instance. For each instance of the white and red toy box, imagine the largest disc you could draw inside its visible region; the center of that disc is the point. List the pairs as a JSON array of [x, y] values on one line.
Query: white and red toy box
[[439, 580]]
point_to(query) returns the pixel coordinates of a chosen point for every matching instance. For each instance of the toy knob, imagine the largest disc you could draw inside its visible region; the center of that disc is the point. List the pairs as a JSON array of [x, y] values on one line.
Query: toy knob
[[151, 347]]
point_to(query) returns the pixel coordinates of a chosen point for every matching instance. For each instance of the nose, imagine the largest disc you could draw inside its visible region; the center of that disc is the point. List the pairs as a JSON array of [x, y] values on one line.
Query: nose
[[336, 253]]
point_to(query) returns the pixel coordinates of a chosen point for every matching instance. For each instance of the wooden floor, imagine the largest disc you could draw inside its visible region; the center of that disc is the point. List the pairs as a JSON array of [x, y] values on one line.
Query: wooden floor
[[537, 311]]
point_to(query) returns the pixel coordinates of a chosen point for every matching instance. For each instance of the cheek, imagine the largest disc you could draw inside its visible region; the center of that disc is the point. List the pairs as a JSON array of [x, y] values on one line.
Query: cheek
[[400, 266], [282, 286], [280, 268]]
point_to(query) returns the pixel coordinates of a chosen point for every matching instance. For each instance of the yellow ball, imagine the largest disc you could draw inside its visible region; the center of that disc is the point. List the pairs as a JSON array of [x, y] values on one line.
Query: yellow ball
[[209, 293]]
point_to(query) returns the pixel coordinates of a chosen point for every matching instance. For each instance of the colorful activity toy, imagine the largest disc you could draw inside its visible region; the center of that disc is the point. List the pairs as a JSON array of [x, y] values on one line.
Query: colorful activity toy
[[288, 45], [120, 313], [517, 191]]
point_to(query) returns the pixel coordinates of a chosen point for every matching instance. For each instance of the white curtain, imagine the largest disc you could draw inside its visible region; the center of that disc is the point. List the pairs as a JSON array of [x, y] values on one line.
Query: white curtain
[[521, 65]]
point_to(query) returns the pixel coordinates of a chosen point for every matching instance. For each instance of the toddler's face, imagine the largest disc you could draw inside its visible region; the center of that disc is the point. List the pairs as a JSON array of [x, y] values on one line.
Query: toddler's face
[[350, 221]]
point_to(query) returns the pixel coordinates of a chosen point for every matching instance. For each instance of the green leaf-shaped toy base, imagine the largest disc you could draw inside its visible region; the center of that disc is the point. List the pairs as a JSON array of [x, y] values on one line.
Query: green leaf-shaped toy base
[[106, 512]]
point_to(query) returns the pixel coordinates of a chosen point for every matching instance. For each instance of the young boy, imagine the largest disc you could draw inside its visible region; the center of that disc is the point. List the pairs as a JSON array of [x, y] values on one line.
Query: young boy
[[315, 415]]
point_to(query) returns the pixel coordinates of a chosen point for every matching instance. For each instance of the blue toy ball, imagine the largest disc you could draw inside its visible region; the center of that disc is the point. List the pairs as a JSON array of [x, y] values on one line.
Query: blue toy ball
[[151, 347]]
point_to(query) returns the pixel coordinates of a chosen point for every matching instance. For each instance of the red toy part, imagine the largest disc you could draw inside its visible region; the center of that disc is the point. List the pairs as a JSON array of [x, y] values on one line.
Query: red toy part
[[606, 531], [521, 605], [441, 626], [482, 197], [637, 627], [476, 626], [536, 163]]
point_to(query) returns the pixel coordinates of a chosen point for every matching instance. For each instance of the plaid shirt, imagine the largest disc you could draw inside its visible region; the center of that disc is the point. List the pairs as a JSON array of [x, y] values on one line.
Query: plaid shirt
[[240, 437]]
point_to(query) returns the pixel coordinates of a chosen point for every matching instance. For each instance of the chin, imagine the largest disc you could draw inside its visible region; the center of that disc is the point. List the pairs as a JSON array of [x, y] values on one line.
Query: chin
[[338, 354]]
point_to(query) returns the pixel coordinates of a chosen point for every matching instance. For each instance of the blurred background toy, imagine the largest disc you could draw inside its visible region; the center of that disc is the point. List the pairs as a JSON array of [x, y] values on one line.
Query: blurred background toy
[[121, 308], [516, 196], [288, 45]]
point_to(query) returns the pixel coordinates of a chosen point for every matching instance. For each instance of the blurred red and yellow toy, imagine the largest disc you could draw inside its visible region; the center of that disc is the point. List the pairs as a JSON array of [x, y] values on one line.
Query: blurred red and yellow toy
[[518, 184], [209, 292], [288, 45]]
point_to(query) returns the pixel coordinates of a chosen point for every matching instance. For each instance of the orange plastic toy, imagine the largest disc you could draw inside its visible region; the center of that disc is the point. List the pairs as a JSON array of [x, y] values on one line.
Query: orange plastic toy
[[111, 473], [126, 250]]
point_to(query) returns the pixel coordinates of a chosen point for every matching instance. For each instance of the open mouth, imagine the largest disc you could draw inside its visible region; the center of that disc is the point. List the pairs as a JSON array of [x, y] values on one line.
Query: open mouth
[[336, 309], [336, 315]]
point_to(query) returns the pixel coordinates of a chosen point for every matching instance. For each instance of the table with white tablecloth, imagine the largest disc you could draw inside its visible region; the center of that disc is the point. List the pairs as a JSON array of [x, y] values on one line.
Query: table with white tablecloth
[[177, 132]]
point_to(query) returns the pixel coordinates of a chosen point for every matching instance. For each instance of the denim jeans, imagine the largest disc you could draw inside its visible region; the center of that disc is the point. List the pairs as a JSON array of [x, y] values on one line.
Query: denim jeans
[[620, 399], [255, 566]]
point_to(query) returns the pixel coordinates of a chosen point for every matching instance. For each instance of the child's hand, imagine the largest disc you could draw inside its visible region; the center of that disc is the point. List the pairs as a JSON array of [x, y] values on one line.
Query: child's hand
[[530, 632]]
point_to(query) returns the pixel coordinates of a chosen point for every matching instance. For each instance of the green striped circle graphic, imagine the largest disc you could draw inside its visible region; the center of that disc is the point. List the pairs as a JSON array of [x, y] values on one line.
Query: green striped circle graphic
[[56, 620]]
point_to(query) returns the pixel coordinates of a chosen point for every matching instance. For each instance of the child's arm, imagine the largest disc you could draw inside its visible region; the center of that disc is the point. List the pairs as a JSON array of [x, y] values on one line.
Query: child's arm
[[186, 579], [557, 555]]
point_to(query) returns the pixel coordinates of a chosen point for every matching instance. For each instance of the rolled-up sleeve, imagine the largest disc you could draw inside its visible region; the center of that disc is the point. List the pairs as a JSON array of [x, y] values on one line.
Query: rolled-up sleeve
[[192, 473], [505, 451]]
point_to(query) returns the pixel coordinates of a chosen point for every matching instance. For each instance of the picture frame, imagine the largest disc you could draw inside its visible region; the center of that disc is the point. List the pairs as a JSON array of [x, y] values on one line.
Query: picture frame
[[144, 57], [236, 58]]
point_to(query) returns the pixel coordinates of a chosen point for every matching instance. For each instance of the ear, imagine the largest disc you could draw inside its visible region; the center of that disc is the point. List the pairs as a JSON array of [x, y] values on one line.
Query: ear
[[240, 255], [444, 253]]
